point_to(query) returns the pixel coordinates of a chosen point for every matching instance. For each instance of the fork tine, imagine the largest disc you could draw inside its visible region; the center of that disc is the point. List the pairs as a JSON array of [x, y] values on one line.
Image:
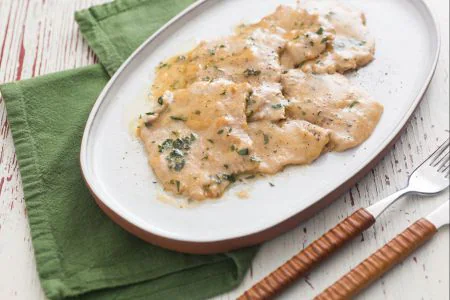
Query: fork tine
[[443, 163], [442, 157], [438, 153], [438, 160]]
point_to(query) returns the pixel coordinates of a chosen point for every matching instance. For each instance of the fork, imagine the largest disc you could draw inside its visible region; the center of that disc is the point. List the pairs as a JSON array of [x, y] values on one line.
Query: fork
[[430, 178]]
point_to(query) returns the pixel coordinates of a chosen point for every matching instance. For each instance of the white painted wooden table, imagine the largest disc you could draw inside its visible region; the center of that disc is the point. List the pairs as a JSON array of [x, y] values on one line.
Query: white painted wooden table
[[40, 36]]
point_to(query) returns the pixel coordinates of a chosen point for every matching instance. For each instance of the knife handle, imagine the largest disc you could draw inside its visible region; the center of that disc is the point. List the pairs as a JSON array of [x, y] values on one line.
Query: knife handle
[[311, 256], [380, 262]]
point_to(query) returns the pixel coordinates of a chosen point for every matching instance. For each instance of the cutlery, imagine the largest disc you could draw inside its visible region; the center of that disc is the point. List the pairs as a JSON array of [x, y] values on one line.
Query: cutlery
[[387, 257], [430, 178]]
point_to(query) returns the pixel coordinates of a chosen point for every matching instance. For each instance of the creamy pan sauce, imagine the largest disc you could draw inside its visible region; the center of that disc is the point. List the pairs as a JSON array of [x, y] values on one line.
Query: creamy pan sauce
[[253, 103]]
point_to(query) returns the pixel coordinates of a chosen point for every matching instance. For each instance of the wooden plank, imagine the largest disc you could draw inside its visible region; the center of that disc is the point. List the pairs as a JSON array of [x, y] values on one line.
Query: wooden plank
[[39, 37]]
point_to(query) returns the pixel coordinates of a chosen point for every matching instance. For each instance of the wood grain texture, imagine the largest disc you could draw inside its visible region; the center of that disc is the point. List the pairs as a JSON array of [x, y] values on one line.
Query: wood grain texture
[[310, 257], [394, 252], [39, 37]]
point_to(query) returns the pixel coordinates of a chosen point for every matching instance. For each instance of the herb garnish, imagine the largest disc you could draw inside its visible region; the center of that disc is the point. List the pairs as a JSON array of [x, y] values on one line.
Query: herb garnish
[[277, 106], [176, 160], [167, 144], [150, 113], [178, 149], [178, 118], [252, 72], [248, 98], [320, 31], [220, 131], [229, 177], [177, 183], [298, 66], [244, 152], [353, 104], [163, 65], [266, 139], [161, 100]]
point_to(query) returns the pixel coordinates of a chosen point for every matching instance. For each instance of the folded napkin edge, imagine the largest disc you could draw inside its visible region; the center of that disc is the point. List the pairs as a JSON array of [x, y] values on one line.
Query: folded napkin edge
[[43, 240], [98, 40]]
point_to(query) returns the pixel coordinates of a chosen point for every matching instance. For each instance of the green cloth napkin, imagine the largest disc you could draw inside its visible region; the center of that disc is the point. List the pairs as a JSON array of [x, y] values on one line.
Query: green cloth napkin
[[81, 253]]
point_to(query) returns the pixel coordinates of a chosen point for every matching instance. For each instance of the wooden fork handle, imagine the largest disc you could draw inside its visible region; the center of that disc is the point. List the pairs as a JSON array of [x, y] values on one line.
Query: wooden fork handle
[[307, 259], [380, 262]]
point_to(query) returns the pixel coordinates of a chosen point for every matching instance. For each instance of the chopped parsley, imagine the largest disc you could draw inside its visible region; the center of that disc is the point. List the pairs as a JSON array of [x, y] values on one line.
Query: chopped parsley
[[252, 72], [353, 104], [248, 98], [161, 100], [178, 118], [220, 131], [244, 152], [163, 65], [176, 160], [320, 31], [177, 183], [167, 144], [277, 106], [266, 139], [298, 66], [178, 149], [150, 113], [229, 177]]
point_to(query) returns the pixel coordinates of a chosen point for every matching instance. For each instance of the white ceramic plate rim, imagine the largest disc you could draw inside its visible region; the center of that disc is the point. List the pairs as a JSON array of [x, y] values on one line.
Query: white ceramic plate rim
[[89, 178]]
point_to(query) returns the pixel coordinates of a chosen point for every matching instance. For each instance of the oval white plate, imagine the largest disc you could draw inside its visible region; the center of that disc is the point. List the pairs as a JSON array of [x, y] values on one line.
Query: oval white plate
[[115, 164]]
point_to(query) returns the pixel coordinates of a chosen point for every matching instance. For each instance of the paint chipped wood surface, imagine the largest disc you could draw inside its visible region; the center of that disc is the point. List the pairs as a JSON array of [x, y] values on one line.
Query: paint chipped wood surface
[[40, 36]]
